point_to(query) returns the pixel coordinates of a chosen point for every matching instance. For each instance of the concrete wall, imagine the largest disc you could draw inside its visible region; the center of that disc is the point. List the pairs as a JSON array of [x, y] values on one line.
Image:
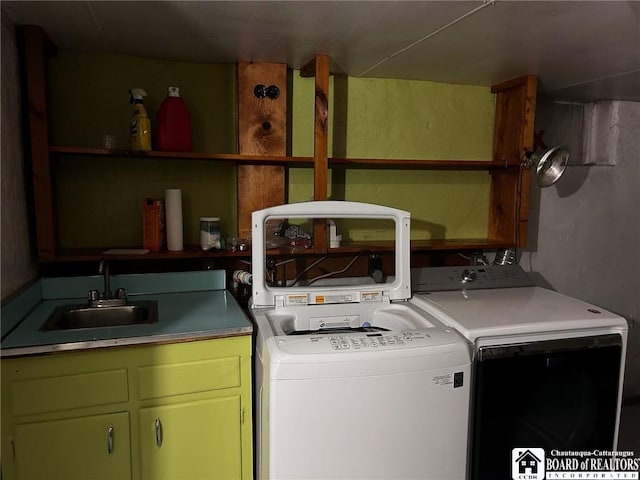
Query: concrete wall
[[587, 239], [17, 261]]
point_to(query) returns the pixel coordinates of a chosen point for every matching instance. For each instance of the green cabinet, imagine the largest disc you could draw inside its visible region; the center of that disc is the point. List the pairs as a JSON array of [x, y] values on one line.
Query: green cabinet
[[95, 447], [170, 411], [214, 452]]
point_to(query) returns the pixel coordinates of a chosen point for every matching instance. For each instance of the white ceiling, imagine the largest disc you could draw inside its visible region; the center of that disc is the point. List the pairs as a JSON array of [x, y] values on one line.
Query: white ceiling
[[580, 50]]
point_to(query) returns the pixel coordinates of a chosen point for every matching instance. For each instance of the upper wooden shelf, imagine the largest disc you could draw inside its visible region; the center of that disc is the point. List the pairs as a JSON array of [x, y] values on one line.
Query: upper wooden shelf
[[425, 164], [290, 160], [228, 157]]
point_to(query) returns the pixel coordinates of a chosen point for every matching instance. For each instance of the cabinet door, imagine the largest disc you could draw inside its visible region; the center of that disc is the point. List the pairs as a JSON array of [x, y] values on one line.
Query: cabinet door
[[194, 440], [95, 447]]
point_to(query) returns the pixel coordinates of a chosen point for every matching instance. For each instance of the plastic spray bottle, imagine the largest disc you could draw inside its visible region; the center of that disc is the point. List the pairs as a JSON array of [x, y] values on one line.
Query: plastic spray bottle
[[140, 128], [174, 124]]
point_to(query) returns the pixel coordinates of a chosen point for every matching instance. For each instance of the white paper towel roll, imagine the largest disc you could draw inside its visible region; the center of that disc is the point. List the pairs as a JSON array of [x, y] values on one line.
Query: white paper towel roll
[[173, 220]]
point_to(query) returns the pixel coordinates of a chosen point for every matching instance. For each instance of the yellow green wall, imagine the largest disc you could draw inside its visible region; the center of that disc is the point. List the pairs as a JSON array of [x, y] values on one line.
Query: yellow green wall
[[404, 119], [101, 197]]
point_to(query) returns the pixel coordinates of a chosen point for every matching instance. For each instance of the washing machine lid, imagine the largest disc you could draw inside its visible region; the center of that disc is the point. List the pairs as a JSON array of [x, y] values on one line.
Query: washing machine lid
[[514, 311], [397, 287]]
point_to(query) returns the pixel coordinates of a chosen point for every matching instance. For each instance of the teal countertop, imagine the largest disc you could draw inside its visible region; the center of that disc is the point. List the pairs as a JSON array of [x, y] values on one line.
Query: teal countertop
[[191, 305]]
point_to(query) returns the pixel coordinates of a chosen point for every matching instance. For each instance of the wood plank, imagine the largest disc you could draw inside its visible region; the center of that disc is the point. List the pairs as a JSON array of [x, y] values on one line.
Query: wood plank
[[321, 146], [309, 69], [321, 128], [523, 208], [502, 213], [36, 47], [262, 130], [515, 113], [513, 83], [422, 164], [223, 157], [94, 254], [513, 136], [526, 144], [97, 254], [290, 160]]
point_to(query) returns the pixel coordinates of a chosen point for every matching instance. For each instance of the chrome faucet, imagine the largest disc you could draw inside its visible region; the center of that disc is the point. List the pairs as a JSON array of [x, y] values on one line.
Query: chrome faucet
[[103, 269], [107, 299]]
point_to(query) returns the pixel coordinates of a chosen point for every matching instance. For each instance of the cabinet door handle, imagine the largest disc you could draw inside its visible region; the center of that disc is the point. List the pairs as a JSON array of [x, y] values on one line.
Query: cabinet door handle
[[158, 433], [110, 431]]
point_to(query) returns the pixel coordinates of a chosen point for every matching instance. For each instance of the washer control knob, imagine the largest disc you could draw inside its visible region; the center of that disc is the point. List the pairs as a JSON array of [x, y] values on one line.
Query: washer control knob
[[469, 275]]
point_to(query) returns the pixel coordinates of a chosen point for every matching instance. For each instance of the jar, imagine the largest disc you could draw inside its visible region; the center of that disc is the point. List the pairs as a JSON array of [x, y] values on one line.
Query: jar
[[210, 233]]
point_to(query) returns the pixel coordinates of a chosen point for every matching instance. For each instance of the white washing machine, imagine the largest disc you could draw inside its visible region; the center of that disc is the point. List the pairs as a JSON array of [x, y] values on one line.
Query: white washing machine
[[353, 381], [548, 369]]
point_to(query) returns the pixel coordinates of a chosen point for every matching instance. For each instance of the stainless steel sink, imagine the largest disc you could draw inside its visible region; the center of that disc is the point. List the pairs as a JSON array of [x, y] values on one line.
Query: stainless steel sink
[[67, 317]]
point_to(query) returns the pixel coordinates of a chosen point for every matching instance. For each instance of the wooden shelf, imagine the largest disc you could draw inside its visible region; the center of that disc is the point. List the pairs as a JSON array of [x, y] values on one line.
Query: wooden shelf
[[261, 179], [424, 164], [294, 161], [97, 254], [381, 246], [225, 157], [424, 245], [195, 252]]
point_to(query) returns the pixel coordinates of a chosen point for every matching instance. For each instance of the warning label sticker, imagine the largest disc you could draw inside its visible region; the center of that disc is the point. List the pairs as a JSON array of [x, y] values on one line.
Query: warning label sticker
[[442, 379], [371, 296], [298, 299]]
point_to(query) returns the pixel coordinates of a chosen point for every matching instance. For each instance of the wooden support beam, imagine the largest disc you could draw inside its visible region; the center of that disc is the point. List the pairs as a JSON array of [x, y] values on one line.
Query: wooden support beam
[[515, 115], [37, 46], [320, 144], [262, 130], [321, 128], [513, 136]]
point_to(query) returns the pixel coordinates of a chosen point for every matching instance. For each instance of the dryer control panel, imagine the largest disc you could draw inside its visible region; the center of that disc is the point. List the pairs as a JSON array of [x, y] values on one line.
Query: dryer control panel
[[437, 279]]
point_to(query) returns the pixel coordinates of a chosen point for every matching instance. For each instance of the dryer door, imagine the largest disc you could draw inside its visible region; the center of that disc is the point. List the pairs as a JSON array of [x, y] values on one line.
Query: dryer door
[[559, 394]]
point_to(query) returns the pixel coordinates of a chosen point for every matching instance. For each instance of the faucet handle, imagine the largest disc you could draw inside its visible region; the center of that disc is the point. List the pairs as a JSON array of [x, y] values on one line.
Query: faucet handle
[[94, 295], [121, 294]]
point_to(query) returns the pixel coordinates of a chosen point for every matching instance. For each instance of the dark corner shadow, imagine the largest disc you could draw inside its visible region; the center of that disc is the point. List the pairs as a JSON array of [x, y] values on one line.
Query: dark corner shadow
[[572, 180]]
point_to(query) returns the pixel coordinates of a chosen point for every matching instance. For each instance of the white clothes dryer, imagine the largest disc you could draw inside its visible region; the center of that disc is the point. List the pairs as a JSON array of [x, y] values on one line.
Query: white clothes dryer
[[548, 368], [353, 381]]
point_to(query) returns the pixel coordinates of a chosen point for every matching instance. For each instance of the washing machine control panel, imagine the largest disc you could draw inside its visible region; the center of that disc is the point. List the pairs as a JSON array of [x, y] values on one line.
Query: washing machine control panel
[[355, 343], [376, 340]]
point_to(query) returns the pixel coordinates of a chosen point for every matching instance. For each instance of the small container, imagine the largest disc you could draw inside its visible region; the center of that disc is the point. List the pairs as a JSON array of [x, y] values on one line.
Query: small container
[[235, 244], [153, 224], [173, 124], [140, 125], [210, 233]]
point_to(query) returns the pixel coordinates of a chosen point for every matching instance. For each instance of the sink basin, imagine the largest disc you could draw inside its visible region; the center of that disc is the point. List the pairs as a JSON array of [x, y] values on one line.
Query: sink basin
[[67, 317]]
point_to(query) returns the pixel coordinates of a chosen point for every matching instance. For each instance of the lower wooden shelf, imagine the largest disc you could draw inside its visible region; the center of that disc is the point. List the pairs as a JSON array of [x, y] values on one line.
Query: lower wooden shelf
[[97, 254], [195, 252], [447, 244]]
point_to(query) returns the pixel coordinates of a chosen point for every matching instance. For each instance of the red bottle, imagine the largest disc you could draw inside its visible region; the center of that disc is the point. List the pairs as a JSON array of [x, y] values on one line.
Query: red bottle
[[173, 125]]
